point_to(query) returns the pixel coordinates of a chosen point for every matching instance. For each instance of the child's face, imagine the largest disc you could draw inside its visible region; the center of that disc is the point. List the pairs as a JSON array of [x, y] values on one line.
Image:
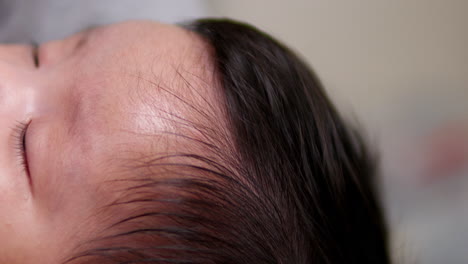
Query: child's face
[[87, 104]]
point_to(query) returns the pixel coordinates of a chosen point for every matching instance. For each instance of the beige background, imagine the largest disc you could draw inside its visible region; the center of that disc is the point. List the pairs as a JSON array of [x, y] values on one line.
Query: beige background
[[369, 53]]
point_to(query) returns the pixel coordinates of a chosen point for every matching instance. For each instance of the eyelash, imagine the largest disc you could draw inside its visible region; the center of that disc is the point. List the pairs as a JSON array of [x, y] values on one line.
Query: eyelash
[[19, 132]]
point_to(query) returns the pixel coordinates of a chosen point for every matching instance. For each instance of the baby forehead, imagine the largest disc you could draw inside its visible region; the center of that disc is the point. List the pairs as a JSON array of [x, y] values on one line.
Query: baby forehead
[[174, 64], [170, 70], [180, 80], [184, 85], [159, 88], [157, 46]]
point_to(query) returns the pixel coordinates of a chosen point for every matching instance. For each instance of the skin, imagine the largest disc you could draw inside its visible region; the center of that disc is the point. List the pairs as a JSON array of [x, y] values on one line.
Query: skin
[[91, 103]]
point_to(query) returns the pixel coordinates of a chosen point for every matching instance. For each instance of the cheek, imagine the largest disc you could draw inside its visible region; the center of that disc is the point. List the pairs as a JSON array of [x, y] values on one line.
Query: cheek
[[26, 238], [16, 202], [14, 185], [19, 228]]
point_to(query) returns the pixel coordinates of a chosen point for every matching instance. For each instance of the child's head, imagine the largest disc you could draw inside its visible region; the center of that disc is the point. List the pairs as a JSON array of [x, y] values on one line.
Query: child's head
[[150, 143]]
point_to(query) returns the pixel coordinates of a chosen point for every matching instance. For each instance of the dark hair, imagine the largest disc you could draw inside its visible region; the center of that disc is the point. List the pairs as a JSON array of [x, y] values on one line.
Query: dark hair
[[295, 185]]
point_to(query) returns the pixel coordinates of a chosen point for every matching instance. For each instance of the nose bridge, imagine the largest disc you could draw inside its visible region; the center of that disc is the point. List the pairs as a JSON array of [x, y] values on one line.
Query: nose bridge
[[16, 89], [16, 54], [15, 62]]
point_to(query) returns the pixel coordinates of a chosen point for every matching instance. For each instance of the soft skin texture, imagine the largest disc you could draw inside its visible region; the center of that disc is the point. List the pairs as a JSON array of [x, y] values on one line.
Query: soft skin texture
[[90, 103]]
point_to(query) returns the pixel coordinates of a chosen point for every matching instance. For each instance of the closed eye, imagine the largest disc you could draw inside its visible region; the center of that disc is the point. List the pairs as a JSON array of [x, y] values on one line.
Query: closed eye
[[20, 144]]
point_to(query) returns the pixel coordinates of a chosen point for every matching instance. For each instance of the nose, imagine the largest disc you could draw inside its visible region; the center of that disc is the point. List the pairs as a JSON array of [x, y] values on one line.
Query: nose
[[17, 55]]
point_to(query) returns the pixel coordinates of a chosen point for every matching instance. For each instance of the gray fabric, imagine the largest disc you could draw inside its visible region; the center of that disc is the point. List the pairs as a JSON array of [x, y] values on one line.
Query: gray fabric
[[43, 20]]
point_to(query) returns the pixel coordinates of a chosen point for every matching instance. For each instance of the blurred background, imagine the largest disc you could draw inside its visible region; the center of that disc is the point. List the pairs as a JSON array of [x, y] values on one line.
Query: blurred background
[[399, 69]]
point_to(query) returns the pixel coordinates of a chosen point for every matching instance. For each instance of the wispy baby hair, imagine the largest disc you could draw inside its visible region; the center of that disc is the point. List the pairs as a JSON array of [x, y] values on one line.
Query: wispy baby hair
[[288, 183]]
